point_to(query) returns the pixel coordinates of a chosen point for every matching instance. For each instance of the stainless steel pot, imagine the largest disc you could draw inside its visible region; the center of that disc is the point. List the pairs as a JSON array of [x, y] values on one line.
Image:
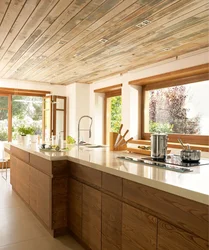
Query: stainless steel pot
[[159, 146], [189, 155]]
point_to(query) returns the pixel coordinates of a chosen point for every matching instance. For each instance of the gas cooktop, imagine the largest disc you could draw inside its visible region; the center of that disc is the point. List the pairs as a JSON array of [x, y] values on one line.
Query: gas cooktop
[[176, 160]]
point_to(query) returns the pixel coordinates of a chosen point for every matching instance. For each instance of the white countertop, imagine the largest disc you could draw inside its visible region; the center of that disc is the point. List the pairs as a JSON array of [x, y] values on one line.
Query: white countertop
[[193, 185]]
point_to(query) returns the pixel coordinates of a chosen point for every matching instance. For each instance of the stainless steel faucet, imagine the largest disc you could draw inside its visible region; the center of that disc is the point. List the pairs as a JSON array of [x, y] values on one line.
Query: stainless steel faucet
[[79, 129]]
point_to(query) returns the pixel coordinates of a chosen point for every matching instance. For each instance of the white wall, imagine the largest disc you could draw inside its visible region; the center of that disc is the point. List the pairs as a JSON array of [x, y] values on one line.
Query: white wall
[[78, 105]]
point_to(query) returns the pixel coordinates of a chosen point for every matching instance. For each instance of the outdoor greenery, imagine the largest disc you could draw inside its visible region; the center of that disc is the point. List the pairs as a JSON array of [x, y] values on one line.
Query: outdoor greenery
[[155, 127], [26, 116], [168, 112], [116, 106]]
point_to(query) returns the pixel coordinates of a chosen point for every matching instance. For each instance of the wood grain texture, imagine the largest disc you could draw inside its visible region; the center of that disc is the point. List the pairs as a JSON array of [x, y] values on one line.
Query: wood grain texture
[[86, 174], [40, 195], [111, 223], [139, 230], [60, 168], [59, 202], [91, 218], [21, 154], [173, 238], [41, 164], [187, 214], [112, 184], [85, 41], [75, 194]]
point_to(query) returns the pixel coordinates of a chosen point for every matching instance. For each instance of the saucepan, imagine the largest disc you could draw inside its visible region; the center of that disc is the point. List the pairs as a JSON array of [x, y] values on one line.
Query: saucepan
[[189, 155]]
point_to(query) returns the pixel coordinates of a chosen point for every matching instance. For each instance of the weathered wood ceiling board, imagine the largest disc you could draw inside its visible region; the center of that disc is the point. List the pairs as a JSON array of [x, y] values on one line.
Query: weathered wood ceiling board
[[66, 41]]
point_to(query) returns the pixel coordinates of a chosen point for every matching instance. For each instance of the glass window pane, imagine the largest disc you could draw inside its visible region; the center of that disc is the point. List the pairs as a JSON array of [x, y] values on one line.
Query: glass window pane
[[3, 125], [59, 121], [60, 103], [27, 111], [180, 109], [3, 102]]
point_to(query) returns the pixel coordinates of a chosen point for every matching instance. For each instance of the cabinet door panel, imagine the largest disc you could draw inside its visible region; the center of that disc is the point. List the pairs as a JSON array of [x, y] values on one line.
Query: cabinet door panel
[[75, 207], [40, 195], [22, 180], [111, 223], [139, 230], [91, 217], [173, 238]]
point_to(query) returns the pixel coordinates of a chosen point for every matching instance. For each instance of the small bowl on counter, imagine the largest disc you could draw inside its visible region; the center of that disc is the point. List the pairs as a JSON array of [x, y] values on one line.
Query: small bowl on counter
[[189, 155]]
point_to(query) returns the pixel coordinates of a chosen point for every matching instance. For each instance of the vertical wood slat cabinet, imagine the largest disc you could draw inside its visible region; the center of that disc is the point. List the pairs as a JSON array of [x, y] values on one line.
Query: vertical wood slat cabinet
[[111, 223], [75, 191], [173, 238], [59, 202], [40, 193], [139, 229], [13, 169], [22, 180], [91, 218]]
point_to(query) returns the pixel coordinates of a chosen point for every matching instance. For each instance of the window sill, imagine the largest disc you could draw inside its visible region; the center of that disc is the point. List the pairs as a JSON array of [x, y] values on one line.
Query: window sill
[[203, 148]]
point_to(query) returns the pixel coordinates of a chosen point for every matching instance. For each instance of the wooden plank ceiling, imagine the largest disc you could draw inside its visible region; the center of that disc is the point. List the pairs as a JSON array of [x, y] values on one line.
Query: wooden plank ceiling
[[66, 41]]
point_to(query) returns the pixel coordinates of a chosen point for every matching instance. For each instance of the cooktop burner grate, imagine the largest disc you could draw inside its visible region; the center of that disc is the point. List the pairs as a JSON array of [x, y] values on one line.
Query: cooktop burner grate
[[176, 160]]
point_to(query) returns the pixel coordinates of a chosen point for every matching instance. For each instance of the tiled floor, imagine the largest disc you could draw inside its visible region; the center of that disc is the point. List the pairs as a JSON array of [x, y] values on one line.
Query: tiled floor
[[19, 228]]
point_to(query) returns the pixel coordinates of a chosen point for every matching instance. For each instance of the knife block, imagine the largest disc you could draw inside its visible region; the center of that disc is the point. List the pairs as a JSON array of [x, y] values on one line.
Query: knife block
[[113, 137]]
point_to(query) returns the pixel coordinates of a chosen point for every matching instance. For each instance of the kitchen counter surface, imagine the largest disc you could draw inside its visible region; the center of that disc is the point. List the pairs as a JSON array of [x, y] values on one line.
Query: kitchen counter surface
[[193, 185]]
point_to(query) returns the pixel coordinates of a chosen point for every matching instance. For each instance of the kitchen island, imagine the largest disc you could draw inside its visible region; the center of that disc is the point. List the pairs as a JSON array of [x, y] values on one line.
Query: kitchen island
[[111, 204]]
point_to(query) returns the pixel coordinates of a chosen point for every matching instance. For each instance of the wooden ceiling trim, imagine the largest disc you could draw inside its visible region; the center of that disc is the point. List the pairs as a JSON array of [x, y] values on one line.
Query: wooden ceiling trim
[[72, 20], [9, 17], [108, 26], [52, 35], [70, 65], [109, 88], [86, 35], [118, 62], [4, 4], [30, 47], [25, 13], [42, 18]]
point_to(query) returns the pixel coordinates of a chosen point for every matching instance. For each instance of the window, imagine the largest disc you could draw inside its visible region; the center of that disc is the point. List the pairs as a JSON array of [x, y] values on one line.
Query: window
[[18, 107], [112, 109], [179, 109], [113, 114]]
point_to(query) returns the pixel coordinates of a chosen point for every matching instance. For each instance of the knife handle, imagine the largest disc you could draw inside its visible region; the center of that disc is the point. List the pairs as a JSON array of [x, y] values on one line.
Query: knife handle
[[121, 126]]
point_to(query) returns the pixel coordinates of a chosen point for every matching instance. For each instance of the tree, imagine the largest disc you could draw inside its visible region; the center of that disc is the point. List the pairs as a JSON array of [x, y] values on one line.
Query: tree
[[116, 106], [167, 107]]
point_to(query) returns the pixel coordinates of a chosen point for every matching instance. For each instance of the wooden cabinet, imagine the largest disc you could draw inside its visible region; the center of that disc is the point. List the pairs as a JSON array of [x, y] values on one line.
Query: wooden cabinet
[[59, 202], [111, 223], [13, 168], [40, 195], [22, 179], [75, 191], [139, 229], [173, 238], [91, 218]]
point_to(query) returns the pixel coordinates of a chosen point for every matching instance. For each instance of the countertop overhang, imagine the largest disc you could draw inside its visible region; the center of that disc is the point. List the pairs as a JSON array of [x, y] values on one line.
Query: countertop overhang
[[193, 185]]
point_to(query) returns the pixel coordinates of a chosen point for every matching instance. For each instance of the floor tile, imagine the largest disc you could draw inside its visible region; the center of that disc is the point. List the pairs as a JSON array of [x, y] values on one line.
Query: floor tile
[[21, 230]]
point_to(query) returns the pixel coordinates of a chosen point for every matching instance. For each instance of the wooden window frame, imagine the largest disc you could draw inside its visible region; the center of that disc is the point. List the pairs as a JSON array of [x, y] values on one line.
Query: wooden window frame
[[181, 77], [9, 92], [117, 92]]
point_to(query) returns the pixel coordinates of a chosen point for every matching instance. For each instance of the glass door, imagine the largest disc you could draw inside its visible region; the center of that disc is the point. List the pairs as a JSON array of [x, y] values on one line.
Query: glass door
[[47, 118], [5, 118]]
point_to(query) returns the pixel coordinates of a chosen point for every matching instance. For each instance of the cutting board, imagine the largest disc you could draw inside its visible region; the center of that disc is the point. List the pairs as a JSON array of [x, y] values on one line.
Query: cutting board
[[142, 151]]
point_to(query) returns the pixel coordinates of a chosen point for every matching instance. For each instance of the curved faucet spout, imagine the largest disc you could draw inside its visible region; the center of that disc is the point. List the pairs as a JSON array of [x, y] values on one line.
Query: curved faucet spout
[[79, 129]]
